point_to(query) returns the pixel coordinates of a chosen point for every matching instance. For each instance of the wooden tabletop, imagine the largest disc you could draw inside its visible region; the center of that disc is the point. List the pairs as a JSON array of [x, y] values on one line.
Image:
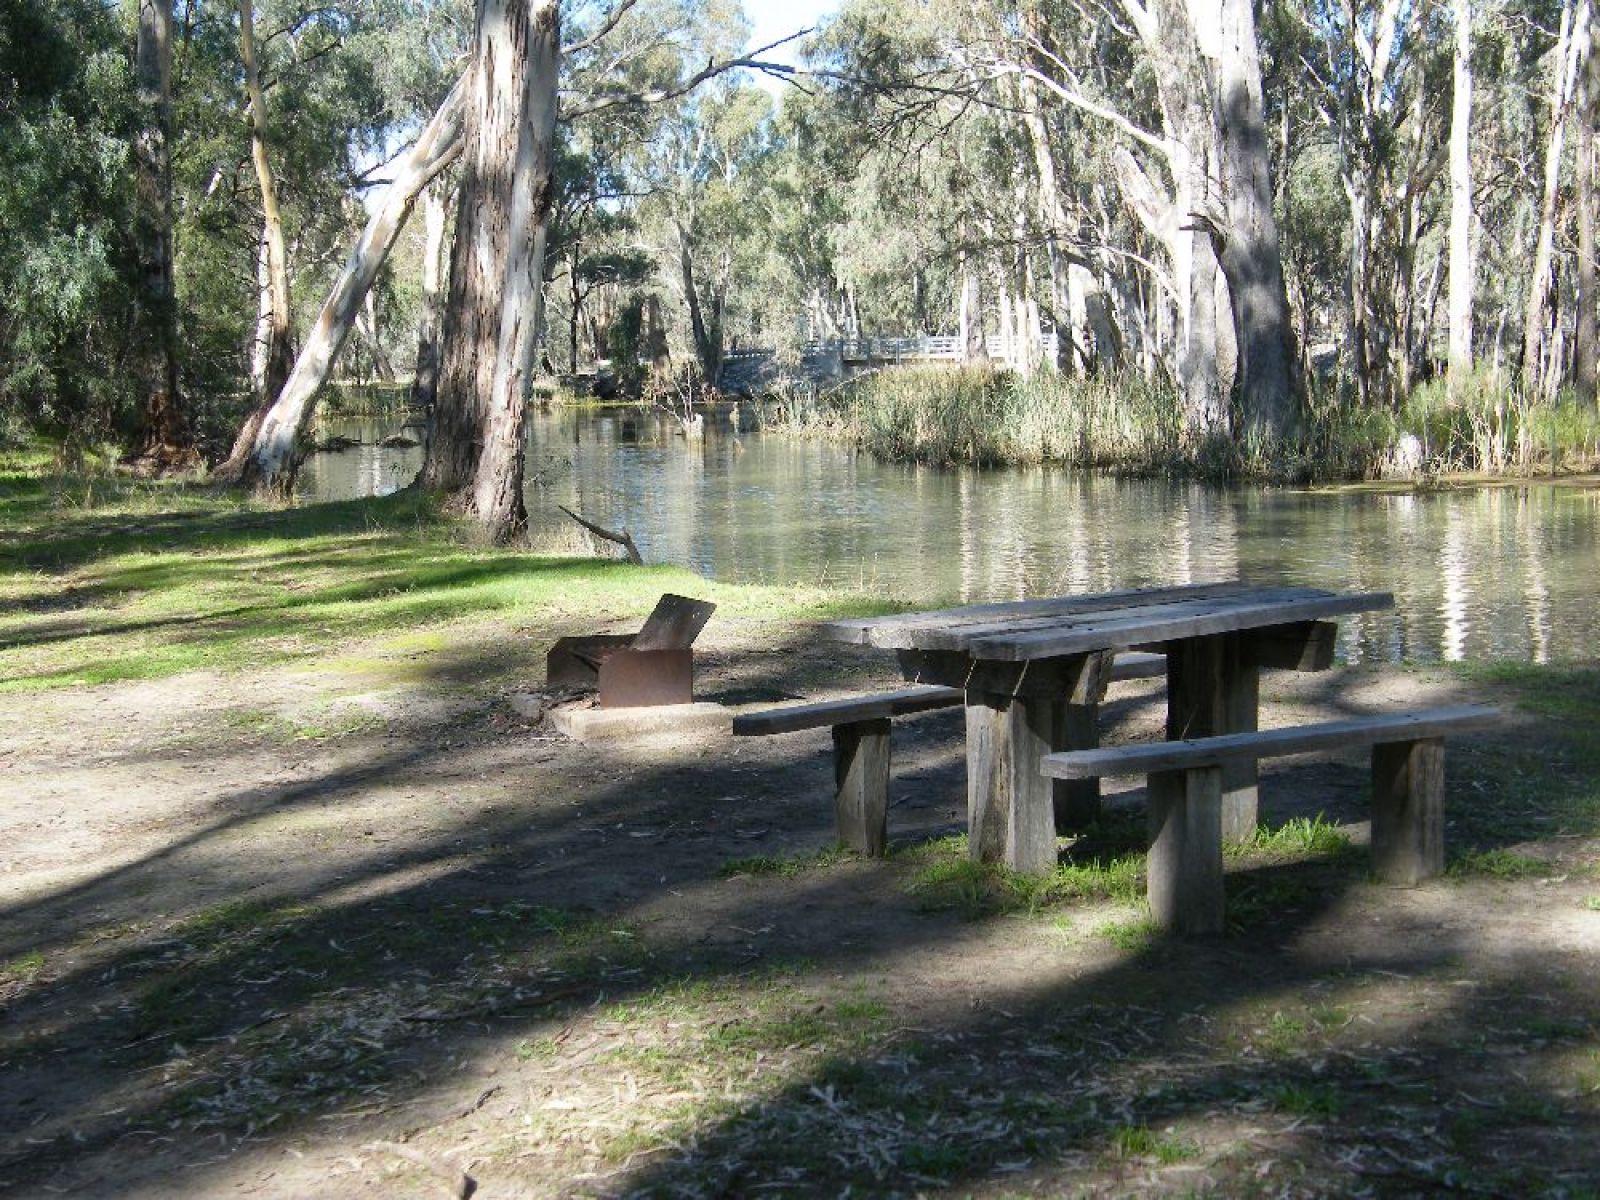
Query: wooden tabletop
[[1065, 625]]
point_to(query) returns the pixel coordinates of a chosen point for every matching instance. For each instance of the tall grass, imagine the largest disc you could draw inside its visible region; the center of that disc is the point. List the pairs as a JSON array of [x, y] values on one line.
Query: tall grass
[[983, 417], [979, 416]]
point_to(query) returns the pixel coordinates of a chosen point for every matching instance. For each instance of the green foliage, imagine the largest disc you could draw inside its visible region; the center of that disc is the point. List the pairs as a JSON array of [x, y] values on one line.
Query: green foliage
[[65, 217]]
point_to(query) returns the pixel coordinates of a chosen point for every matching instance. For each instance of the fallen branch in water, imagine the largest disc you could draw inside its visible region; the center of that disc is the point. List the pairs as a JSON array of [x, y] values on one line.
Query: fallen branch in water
[[622, 539]]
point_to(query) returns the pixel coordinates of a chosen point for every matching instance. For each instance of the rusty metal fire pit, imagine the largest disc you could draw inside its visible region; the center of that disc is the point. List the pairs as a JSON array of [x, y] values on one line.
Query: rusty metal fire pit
[[632, 670]]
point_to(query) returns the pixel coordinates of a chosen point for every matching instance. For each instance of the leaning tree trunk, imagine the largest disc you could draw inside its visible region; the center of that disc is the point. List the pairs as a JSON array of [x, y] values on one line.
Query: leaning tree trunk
[[425, 386], [497, 489], [1250, 257], [1460, 306], [274, 453], [164, 441]]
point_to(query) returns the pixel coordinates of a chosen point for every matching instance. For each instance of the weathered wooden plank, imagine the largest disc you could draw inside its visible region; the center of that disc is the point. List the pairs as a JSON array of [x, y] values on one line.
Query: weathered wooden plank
[[1268, 743], [951, 668], [1202, 619], [1184, 866], [1009, 811], [861, 785], [1304, 647], [860, 630], [947, 633], [674, 623], [1408, 810], [851, 708]]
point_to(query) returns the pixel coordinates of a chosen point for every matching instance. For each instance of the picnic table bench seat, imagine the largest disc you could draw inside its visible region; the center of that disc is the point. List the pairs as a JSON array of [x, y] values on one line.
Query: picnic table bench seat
[[861, 726], [1185, 878]]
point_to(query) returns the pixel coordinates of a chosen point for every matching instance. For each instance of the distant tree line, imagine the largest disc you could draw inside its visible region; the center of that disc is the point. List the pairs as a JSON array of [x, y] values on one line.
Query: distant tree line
[[1274, 208]]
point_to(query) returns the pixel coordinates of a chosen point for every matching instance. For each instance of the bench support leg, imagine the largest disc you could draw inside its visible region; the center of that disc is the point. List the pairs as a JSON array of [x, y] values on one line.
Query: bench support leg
[[1076, 801], [861, 779], [1185, 861], [1408, 811], [1010, 817], [1213, 688]]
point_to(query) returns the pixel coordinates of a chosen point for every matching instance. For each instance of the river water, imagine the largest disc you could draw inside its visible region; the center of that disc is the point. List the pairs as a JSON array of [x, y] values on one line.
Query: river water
[[1497, 573]]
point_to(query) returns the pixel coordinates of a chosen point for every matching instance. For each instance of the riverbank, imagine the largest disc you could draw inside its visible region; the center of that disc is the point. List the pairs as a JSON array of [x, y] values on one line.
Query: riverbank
[[984, 417], [300, 898]]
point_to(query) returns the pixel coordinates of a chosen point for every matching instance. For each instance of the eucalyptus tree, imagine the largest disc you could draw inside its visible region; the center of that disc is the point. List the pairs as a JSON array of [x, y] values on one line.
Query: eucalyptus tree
[[165, 440], [67, 121]]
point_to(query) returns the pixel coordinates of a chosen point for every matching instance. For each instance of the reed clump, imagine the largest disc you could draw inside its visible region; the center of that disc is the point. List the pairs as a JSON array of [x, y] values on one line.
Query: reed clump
[[979, 416], [983, 417]]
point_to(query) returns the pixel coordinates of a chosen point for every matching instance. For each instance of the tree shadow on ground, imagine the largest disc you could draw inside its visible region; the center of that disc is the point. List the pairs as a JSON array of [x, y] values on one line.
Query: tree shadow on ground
[[267, 1000]]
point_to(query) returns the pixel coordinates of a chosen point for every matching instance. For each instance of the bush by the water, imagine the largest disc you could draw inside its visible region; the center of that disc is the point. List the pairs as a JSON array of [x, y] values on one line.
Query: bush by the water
[[986, 417]]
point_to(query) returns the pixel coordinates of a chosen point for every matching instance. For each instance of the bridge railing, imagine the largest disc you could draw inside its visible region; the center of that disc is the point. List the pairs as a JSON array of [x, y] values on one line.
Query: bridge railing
[[896, 349]]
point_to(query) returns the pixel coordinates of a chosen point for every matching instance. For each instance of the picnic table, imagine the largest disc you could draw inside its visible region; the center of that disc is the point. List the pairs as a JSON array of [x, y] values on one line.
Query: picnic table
[[1035, 671]]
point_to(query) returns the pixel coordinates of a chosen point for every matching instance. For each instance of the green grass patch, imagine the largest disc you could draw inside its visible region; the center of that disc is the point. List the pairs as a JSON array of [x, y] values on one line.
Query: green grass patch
[[1498, 864], [1592, 903], [104, 579], [1133, 936], [784, 867], [1297, 837], [24, 968], [951, 880], [1314, 1101], [1139, 1141]]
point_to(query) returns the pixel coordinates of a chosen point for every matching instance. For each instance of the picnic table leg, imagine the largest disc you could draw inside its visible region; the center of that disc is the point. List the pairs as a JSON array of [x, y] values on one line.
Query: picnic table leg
[[1076, 801], [1408, 811], [1212, 689], [1010, 816], [1184, 865], [861, 779]]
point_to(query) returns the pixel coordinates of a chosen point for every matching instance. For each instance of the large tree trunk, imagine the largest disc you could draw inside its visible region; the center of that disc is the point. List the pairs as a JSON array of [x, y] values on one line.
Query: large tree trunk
[[1586, 337], [706, 351], [274, 452], [1460, 305], [1537, 373], [497, 490], [435, 206], [478, 258], [279, 349], [164, 440], [1250, 258]]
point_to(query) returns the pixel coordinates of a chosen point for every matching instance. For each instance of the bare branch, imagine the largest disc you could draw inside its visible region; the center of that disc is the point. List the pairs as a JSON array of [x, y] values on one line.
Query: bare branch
[[751, 62], [609, 22], [622, 539]]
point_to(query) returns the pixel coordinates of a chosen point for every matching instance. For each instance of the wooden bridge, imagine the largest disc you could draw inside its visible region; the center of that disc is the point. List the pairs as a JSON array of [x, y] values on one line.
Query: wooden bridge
[[924, 347]]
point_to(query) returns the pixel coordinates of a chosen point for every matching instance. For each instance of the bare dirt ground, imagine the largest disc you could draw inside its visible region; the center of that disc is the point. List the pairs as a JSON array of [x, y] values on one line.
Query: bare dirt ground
[[367, 930]]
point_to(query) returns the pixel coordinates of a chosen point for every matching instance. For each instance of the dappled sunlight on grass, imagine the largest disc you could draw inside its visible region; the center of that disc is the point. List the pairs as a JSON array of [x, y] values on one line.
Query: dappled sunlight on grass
[[149, 581]]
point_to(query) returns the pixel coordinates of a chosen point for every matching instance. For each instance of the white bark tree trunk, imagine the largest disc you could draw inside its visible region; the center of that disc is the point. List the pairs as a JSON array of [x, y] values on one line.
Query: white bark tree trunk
[[1460, 303], [435, 212], [275, 449], [497, 490], [1537, 374]]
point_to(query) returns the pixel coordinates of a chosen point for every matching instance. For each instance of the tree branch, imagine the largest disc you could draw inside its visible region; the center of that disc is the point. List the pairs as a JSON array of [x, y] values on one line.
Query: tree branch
[[622, 539], [752, 62]]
